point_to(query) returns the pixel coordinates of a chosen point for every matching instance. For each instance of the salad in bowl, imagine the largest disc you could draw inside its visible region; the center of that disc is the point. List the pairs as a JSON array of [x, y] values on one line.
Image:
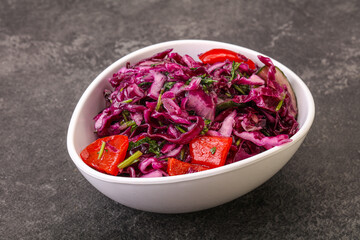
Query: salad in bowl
[[169, 114], [187, 125]]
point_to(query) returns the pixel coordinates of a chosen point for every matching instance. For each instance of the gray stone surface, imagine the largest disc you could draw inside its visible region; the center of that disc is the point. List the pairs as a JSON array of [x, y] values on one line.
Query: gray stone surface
[[51, 50]]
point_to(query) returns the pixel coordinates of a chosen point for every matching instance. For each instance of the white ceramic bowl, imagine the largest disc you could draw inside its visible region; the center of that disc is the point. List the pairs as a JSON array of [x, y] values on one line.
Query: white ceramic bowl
[[190, 192]]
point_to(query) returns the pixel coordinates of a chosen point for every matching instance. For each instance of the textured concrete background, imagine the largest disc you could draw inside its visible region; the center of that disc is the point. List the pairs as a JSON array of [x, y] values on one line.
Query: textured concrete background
[[51, 50]]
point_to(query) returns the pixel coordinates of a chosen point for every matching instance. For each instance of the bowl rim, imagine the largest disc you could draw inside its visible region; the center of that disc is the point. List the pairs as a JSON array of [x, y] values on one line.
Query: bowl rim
[[186, 177]]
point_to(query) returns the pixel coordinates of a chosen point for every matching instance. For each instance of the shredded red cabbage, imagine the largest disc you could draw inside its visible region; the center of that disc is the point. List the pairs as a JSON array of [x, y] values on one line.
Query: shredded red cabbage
[[169, 99]]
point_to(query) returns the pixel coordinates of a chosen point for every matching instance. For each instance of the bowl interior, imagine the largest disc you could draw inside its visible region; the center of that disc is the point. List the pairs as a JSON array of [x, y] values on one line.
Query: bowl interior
[[81, 128]]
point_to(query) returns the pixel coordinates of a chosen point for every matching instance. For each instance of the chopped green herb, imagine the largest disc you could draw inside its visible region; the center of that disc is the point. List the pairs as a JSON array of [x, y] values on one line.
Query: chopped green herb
[[280, 103], [238, 142], [130, 123], [125, 114], [133, 127], [168, 86], [207, 81], [130, 160], [182, 154], [127, 101], [206, 127], [180, 129], [205, 89], [213, 150], [158, 104], [101, 152], [266, 133], [235, 66], [153, 146], [241, 88], [228, 94], [144, 83], [204, 131], [228, 104]]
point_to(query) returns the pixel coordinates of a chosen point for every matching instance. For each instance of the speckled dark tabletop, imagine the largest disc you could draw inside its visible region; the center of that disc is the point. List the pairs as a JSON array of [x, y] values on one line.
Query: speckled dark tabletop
[[51, 50]]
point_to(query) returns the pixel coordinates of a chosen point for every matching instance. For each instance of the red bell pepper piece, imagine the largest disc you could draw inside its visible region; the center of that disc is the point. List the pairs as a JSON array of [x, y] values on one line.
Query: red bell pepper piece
[[177, 167], [210, 151], [139, 138], [219, 55], [105, 154]]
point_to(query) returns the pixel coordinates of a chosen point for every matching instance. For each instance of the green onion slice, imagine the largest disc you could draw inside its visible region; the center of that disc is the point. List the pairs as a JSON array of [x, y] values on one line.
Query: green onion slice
[[130, 160], [101, 152], [280, 103]]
